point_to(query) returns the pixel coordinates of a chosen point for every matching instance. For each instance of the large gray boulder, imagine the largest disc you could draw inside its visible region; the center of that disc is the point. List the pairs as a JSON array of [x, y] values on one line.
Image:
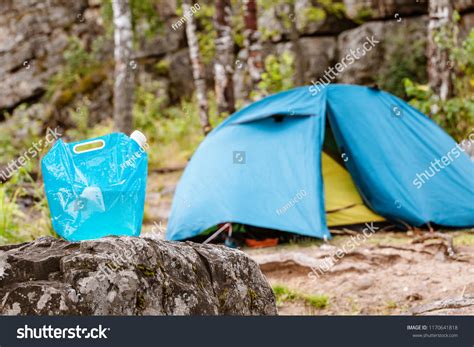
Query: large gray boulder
[[389, 37], [130, 276]]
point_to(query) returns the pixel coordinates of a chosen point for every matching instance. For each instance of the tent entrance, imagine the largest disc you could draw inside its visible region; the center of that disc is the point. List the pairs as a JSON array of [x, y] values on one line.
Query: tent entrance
[[343, 203]]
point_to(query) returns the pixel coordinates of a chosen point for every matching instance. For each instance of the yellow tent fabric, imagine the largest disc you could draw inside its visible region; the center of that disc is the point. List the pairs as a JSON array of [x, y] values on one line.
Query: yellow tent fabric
[[344, 205]]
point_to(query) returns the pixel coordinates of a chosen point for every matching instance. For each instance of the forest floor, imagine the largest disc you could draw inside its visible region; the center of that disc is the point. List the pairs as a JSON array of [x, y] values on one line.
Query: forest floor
[[387, 273]]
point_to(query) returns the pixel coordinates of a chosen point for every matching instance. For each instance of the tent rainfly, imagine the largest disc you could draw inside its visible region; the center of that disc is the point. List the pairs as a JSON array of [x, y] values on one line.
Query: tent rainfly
[[300, 161]]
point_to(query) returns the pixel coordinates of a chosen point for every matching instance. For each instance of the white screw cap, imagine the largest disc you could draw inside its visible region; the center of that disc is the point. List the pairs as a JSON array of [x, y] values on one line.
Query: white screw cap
[[139, 138]]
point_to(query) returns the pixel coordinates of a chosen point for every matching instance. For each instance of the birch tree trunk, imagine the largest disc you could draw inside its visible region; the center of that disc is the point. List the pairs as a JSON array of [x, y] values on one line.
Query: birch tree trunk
[[439, 72], [252, 43], [223, 67], [124, 83], [198, 68], [294, 37]]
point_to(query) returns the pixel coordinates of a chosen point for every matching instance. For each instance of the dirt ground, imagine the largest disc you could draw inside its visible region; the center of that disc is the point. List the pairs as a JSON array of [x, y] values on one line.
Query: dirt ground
[[385, 274]]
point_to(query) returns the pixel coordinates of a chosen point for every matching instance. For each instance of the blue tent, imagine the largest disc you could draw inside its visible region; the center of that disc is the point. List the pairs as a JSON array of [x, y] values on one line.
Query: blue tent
[[262, 165]]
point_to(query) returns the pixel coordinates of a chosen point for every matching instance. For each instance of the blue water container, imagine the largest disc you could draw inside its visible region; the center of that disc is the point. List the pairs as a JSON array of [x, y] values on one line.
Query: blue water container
[[97, 187]]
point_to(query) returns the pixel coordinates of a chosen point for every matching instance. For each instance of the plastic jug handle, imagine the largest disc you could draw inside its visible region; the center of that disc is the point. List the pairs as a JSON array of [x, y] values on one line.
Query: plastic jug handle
[[77, 148]]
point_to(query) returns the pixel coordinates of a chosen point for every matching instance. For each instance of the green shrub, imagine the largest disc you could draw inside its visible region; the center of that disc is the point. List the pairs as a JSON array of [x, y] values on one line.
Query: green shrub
[[173, 132], [278, 75], [403, 61], [237, 23], [78, 73], [145, 16], [206, 32], [309, 14], [82, 126], [456, 114], [363, 14], [162, 67], [19, 131]]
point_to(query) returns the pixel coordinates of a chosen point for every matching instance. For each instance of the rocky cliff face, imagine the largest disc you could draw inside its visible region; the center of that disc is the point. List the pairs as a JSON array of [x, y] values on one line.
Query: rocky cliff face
[[130, 276], [34, 34]]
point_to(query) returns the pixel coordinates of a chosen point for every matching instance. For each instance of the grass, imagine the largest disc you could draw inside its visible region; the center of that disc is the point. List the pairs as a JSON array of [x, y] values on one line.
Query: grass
[[18, 224], [389, 238], [385, 238], [305, 242], [460, 238], [391, 305], [465, 238], [285, 294], [9, 213], [355, 309], [317, 301]]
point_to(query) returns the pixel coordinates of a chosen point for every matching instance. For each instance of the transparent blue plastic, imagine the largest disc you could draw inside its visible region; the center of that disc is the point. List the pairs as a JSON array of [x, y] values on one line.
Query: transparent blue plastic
[[96, 192]]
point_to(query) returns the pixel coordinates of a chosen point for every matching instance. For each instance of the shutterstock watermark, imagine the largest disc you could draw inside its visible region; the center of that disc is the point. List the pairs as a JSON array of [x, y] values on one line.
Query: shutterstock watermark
[[293, 201], [32, 152], [49, 332], [158, 231], [135, 156], [350, 58], [331, 260], [439, 164], [186, 15]]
